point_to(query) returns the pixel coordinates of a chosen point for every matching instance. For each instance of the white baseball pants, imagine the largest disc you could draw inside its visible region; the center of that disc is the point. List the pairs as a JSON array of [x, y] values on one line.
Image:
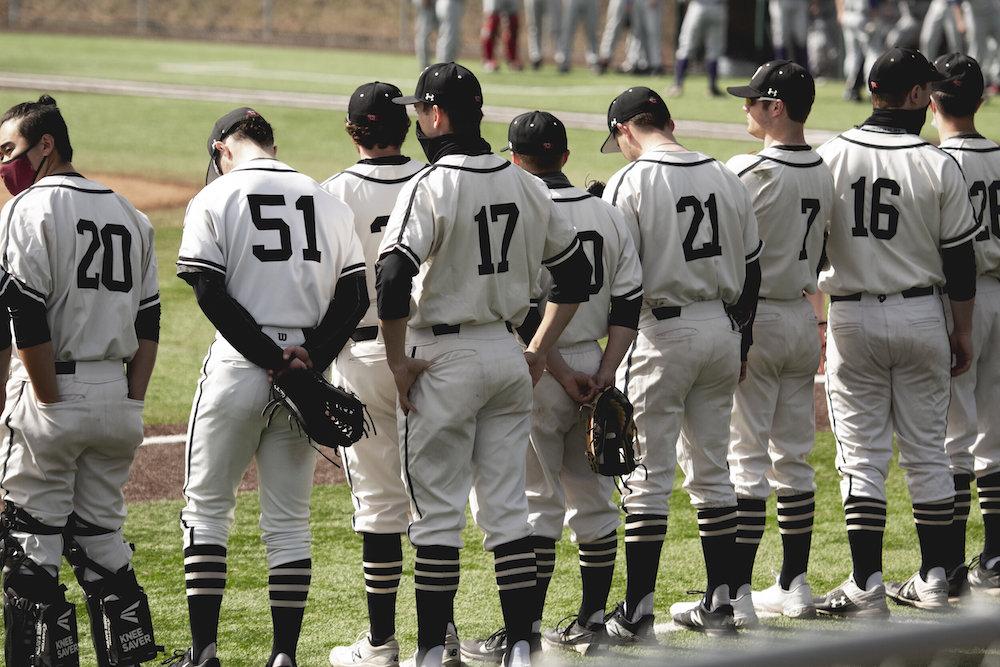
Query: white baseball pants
[[539, 12], [575, 13], [939, 21], [789, 24], [445, 16], [703, 24]]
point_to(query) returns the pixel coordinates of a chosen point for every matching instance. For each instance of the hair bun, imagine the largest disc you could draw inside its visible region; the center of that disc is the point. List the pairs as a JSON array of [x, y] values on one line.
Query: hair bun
[[47, 100]]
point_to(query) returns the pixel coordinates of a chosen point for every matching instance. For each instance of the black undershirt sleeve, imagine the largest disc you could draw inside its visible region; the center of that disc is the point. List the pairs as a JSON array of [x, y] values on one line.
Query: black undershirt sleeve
[[571, 278], [5, 337], [393, 284], [232, 320], [959, 264], [31, 326], [147, 324], [350, 301], [745, 308], [530, 325], [625, 313]]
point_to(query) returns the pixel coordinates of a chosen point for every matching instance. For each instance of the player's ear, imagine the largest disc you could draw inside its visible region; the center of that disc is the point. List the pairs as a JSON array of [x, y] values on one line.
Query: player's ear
[[565, 159], [516, 159], [671, 125], [274, 150], [48, 144]]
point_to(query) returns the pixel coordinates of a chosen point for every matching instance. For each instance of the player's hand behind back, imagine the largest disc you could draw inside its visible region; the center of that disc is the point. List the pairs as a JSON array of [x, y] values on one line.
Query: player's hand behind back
[[579, 386], [961, 352], [405, 373], [294, 357]]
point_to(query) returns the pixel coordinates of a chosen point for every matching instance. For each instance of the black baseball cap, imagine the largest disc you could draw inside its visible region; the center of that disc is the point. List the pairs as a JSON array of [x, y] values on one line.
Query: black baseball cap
[[965, 78], [627, 106], [222, 129], [537, 133], [372, 104], [779, 80], [448, 85], [898, 70]]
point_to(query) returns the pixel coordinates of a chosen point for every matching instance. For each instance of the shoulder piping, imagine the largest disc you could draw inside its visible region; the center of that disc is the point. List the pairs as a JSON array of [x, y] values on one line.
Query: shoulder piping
[[409, 204], [618, 185]]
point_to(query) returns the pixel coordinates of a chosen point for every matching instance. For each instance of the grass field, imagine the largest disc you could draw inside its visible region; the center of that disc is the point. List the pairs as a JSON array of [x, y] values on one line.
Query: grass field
[[164, 139]]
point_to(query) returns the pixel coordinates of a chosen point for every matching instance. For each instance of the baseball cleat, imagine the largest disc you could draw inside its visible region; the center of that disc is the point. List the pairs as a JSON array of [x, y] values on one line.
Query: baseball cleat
[[452, 648], [621, 630], [186, 659], [744, 614], [849, 600], [363, 653], [716, 621], [490, 649], [584, 639], [931, 595], [519, 655], [984, 579], [958, 583], [281, 660], [796, 602], [431, 657]]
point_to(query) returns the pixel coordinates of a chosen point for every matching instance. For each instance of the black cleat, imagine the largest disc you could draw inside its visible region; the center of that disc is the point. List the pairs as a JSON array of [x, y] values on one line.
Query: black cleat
[[584, 639], [849, 600], [716, 621], [958, 583], [620, 630], [493, 648], [984, 580], [186, 659]]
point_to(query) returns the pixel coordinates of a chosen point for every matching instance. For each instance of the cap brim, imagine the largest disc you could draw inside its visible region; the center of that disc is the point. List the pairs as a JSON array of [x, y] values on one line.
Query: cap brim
[[210, 173], [610, 144], [507, 148], [406, 99], [744, 92]]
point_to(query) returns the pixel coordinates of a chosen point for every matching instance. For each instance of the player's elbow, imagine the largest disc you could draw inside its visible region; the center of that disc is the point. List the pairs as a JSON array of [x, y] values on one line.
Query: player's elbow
[[571, 279]]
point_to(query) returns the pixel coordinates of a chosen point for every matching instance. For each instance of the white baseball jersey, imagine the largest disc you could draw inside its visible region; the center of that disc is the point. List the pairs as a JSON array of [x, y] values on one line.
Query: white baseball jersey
[[280, 240], [611, 251], [81, 249], [370, 190], [477, 258], [980, 161], [792, 191], [899, 201], [695, 222]]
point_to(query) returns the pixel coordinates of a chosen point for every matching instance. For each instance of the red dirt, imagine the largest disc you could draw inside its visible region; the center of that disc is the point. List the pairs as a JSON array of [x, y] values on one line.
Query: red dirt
[[146, 194]]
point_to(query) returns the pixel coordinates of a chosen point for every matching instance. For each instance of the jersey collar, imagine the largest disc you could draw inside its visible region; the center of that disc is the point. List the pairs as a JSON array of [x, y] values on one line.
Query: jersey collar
[[389, 159]]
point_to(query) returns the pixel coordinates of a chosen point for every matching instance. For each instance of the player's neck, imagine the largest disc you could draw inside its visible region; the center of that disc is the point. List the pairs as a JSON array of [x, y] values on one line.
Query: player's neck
[[54, 168], [663, 141], [948, 127], [792, 134], [375, 153], [246, 151]]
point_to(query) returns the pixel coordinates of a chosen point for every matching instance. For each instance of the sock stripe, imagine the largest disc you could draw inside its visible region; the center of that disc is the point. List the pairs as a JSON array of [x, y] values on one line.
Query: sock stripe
[[717, 521], [205, 570], [288, 585], [934, 514], [373, 565], [435, 561], [866, 514]]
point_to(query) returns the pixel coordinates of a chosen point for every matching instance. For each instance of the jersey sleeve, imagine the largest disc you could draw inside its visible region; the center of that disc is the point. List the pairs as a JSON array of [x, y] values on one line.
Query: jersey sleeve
[[958, 220], [149, 295], [561, 240], [202, 240], [753, 246], [410, 229], [354, 256], [26, 257], [627, 283]]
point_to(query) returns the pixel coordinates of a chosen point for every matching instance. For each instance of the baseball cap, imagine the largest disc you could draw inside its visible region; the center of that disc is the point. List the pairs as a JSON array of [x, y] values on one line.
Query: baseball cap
[[779, 80], [897, 70], [222, 129], [372, 103], [537, 133], [448, 85], [965, 78], [627, 106]]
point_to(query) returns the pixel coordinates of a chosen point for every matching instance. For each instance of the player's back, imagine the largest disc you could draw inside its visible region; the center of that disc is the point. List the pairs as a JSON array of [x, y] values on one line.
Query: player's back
[[483, 227], [370, 188], [980, 161], [280, 240], [792, 193], [696, 229], [87, 254]]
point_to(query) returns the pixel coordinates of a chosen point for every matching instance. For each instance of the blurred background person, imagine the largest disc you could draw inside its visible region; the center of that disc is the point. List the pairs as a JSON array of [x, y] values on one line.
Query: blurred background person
[[704, 25], [445, 16], [539, 13], [790, 29], [620, 17], [942, 28], [982, 35], [495, 12], [864, 39], [578, 12]]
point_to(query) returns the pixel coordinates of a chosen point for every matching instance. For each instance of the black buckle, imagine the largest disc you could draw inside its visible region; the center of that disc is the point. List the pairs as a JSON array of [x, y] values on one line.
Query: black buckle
[[666, 312], [65, 367]]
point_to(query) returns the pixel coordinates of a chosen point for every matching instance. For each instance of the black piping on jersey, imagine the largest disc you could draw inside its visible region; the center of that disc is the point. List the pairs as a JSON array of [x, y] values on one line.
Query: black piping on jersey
[[618, 185], [353, 268], [149, 301], [628, 296], [970, 150], [27, 291], [10, 437], [888, 148], [406, 251], [406, 455], [284, 171], [570, 200], [756, 253], [559, 257], [383, 181], [678, 164], [961, 238], [201, 264], [194, 418], [17, 200], [409, 206], [475, 170], [762, 158]]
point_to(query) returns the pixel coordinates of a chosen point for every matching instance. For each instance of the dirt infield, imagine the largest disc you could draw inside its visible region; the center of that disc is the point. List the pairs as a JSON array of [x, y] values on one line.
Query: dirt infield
[[146, 194]]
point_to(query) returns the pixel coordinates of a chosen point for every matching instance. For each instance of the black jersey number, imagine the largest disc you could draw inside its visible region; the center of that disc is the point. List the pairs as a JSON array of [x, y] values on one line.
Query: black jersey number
[[596, 256], [710, 248], [103, 240], [379, 223], [495, 211], [880, 210], [283, 252], [989, 201], [810, 207]]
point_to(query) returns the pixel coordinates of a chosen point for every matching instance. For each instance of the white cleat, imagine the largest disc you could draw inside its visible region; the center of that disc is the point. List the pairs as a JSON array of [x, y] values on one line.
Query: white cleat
[[519, 655], [931, 594], [430, 658], [744, 615], [362, 654], [796, 602], [452, 648]]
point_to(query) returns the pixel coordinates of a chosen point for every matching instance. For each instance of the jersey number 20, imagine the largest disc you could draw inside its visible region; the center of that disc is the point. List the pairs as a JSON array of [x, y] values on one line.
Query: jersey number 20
[[104, 238], [284, 250]]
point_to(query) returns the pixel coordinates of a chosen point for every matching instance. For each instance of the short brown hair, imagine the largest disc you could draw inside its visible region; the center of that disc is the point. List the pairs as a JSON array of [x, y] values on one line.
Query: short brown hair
[[541, 164], [381, 135], [889, 99], [649, 120]]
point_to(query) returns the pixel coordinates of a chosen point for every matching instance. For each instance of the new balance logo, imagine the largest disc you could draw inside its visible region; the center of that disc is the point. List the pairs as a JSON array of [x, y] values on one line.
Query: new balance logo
[[130, 614], [63, 621]]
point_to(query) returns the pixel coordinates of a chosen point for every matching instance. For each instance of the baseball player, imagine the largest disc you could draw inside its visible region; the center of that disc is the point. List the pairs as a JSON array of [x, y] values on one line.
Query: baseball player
[[493, 12], [694, 228], [643, 49], [539, 13], [278, 270], [902, 227], [863, 32], [704, 25], [445, 16], [773, 428], [577, 12], [381, 505], [942, 21], [981, 19], [70, 248], [973, 438], [621, 15], [790, 29], [477, 230]]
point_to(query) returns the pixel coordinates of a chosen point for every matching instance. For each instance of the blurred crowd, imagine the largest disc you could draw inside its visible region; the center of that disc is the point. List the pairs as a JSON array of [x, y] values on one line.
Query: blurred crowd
[[833, 38]]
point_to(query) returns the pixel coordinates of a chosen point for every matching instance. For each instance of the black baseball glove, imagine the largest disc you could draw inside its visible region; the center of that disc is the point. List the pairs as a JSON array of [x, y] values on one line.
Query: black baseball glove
[[610, 433], [329, 415]]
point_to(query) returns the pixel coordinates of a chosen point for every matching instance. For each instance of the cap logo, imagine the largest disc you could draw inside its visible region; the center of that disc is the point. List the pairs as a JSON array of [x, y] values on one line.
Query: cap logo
[[547, 145], [772, 91], [429, 97], [372, 117]]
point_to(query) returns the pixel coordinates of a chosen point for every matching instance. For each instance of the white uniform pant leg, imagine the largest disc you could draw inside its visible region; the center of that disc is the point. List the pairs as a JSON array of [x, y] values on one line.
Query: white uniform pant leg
[[449, 16], [715, 32], [858, 386], [855, 42], [779, 38], [693, 30], [978, 19], [372, 465], [535, 13], [425, 23], [963, 418], [613, 23], [987, 445], [589, 10], [567, 31], [653, 24], [551, 419]]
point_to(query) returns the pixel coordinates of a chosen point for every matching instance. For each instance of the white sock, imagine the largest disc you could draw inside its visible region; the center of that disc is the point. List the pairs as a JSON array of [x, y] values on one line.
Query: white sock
[[989, 565], [596, 617], [644, 608], [873, 581], [536, 626]]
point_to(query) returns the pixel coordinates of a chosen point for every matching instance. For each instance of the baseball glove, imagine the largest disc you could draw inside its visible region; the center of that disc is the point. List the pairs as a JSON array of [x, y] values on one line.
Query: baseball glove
[[329, 415], [611, 439]]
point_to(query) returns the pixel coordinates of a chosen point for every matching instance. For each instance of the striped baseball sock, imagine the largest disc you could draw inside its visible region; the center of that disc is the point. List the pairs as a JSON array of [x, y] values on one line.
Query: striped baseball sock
[[989, 504], [752, 518], [963, 500], [383, 566], [205, 580], [288, 585], [516, 572], [717, 527], [545, 559], [865, 519], [934, 533], [597, 567], [644, 535], [435, 578], [795, 523]]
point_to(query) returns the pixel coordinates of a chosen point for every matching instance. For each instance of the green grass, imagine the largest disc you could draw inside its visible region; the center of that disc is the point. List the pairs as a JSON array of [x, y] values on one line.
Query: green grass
[[337, 612]]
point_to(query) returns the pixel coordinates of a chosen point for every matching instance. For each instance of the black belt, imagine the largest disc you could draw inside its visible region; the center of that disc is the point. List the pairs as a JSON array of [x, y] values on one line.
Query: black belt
[[445, 329], [65, 367], [666, 312], [362, 334], [907, 294]]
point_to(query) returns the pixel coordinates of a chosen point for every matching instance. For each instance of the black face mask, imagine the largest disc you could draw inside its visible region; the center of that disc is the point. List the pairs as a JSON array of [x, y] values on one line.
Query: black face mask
[[451, 144], [910, 120]]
